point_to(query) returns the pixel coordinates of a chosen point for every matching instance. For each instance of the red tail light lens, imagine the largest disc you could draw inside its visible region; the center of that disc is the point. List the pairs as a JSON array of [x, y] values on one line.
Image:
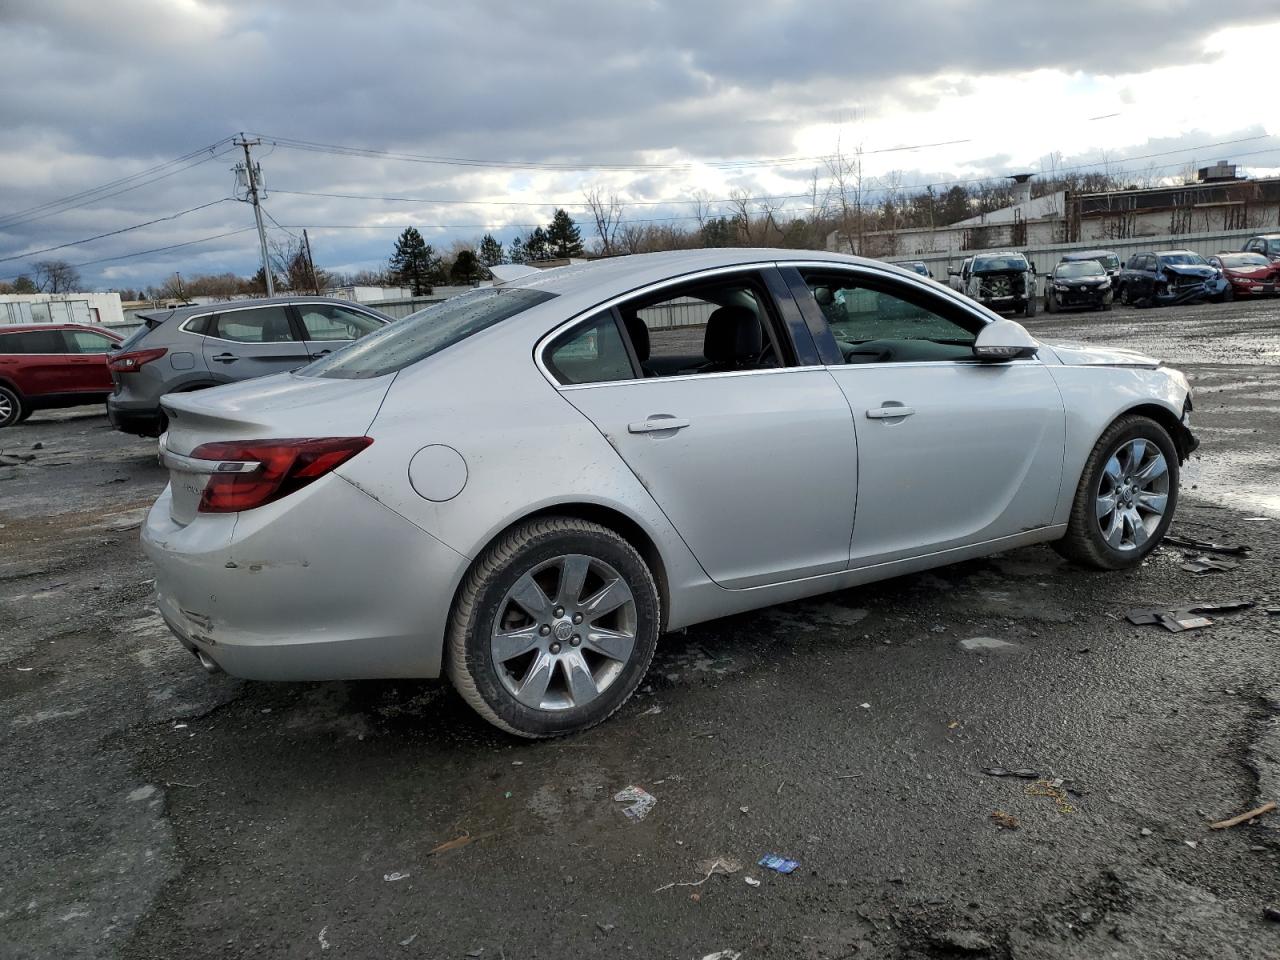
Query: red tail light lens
[[284, 467], [131, 361]]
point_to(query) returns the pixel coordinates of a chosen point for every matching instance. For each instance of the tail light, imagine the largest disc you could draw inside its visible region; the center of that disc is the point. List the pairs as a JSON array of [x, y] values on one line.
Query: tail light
[[250, 473], [134, 359]]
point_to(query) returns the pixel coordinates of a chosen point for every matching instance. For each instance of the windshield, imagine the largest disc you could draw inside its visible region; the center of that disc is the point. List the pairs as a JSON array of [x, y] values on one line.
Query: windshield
[[988, 264], [1181, 259], [428, 331], [1244, 260], [1080, 268]]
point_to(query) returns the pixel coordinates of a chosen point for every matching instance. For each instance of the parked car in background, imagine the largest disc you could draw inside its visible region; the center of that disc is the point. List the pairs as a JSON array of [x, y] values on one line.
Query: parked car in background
[[956, 279], [522, 487], [44, 366], [1003, 282], [1078, 285], [1268, 245], [1168, 277], [195, 347], [1249, 274], [1109, 259], [915, 266]]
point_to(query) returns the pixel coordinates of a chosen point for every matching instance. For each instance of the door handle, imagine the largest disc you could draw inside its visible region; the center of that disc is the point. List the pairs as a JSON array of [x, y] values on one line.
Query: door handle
[[226, 358], [657, 424], [888, 412], [322, 353]]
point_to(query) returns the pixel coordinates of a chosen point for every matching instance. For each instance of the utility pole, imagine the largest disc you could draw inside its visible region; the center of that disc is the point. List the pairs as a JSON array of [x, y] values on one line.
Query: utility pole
[[251, 179], [311, 264]]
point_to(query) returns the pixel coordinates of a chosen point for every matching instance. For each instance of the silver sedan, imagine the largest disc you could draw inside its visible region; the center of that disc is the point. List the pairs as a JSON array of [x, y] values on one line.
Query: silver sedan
[[525, 486]]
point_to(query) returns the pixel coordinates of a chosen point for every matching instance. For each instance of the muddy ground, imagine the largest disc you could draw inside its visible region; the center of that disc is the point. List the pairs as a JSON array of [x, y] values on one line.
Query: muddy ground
[[149, 810]]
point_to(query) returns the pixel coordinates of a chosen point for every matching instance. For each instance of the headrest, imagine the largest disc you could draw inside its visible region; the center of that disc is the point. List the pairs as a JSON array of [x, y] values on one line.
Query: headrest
[[823, 296], [639, 334], [733, 334]]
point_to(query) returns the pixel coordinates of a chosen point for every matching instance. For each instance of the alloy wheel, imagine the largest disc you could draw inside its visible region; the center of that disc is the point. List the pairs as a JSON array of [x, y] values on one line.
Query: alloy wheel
[[6, 407], [1133, 494], [564, 632]]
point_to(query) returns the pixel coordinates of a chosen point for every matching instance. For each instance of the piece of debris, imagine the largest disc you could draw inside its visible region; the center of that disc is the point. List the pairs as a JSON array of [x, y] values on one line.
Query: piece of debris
[[652, 711], [478, 951], [953, 724], [517, 763], [744, 809], [1244, 817], [606, 928], [1207, 564], [408, 940], [37, 445], [1191, 843], [1026, 773], [1052, 789], [640, 801], [751, 881], [324, 943], [986, 645], [778, 864], [1178, 619], [1005, 821], [1205, 546], [1271, 913], [453, 844], [397, 875], [962, 941], [724, 866], [25, 669], [723, 955], [865, 706], [1145, 831]]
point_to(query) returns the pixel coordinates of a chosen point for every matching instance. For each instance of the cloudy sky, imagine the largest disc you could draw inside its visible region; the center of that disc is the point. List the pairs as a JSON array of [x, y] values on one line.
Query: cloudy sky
[[119, 113]]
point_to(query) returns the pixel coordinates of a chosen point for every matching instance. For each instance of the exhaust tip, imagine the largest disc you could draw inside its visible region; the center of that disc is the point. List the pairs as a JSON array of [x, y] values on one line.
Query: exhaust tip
[[207, 662]]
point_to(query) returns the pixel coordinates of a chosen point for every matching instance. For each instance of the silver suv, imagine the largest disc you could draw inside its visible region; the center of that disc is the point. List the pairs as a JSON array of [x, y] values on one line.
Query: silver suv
[[191, 348]]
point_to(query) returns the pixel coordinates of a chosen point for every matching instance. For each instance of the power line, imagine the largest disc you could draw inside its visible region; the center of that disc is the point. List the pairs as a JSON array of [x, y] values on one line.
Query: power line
[[172, 246], [533, 203], [114, 233], [94, 194]]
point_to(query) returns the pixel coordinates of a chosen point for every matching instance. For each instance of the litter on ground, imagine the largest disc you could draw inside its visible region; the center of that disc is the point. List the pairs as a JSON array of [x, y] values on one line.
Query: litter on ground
[[1244, 817], [1206, 546], [1178, 619], [639, 802], [778, 864]]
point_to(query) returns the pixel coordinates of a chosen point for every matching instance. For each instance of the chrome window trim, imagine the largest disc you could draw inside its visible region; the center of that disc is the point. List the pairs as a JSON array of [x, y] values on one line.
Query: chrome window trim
[[766, 371], [261, 306]]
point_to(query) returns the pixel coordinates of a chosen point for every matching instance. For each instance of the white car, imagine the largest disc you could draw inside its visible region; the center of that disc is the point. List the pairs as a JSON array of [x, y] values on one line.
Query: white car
[[525, 486]]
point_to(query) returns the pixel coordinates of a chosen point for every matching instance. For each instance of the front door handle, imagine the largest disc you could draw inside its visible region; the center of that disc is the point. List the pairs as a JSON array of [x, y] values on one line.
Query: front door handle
[[657, 424], [322, 353], [888, 412], [226, 358]]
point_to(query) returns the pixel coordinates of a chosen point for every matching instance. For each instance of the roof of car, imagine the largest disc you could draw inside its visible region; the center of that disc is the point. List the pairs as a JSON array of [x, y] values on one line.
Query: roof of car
[[192, 309], [1087, 254], [28, 327]]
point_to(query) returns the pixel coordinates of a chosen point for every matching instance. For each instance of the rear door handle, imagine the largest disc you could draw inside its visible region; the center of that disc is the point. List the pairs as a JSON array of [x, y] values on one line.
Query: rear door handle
[[887, 412], [226, 357], [657, 424]]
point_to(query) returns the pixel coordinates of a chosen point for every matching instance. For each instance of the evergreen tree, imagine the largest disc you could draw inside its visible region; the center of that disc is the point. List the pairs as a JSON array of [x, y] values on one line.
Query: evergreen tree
[[516, 254], [466, 268], [536, 247], [563, 237], [23, 284], [491, 251], [414, 263]]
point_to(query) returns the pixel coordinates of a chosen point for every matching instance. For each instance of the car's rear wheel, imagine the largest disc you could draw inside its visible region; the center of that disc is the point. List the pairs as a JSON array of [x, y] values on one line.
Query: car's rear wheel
[[13, 409], [554, 627], [1126, 498], [1124, 294]]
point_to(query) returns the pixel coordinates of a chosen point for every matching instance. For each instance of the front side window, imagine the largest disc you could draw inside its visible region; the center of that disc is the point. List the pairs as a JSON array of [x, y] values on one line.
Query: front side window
[[255, 325], [421, 334], [325, 321], [876, 323], [593, 352], [86, 341]]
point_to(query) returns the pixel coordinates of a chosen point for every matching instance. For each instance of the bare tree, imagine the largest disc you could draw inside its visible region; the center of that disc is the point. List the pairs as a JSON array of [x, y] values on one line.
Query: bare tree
[[55, 276], [740, 204], [701, 207], [607, 213], [845, 172]]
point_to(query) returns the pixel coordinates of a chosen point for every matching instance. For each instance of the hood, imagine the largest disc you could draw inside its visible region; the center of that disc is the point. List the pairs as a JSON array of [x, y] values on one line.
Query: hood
[[1253, 273], [1089, 355]]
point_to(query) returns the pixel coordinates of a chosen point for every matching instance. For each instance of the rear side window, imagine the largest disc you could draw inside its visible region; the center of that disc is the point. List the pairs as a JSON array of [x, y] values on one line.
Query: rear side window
[[426, 332], [32, 341], [590, 353], [256, 325], [325, 321]]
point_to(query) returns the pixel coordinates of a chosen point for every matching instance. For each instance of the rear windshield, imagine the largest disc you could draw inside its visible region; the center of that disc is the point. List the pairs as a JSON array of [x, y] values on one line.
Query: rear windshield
[[428, 331], [992, 264]]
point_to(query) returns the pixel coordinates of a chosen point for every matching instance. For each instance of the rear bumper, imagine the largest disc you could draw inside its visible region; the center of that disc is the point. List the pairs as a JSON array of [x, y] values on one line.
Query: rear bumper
[[325, 584], [141, 419]]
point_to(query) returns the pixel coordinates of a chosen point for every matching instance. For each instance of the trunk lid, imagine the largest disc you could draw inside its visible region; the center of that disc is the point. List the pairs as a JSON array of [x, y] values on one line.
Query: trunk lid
[[276, 407]]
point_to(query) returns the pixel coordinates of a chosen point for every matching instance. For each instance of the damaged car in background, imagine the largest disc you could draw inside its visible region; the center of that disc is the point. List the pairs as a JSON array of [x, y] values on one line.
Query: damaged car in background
[[521, 488], [1249, 274], [1109, 259], [1077, 285], [1003, 282], [1170, 277]]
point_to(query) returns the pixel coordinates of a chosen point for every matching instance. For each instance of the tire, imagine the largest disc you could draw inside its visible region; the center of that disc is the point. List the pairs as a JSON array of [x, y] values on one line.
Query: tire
[[13, 409], [1124, 295], [1048, 303], [1228, 294], [1106, 307], [542, 552], [1085, 542], [1030, 309]]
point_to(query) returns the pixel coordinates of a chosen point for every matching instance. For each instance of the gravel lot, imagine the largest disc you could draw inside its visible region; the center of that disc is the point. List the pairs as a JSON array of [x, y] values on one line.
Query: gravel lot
[[154, 811]]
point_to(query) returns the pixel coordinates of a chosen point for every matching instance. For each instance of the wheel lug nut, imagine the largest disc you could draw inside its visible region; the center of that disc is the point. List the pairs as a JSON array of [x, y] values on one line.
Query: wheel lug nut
[[559, 611], [575, 641], [555, 648], [544, 630], [577, 618]]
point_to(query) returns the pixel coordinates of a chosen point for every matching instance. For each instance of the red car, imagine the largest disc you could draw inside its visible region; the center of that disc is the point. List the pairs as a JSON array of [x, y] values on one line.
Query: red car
[[1250, 274], [52, 365]]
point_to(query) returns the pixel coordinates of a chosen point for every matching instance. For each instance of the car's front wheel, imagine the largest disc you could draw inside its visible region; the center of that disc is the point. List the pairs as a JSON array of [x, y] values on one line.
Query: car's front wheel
[[554, 627], [1126, 498], [12, 407]]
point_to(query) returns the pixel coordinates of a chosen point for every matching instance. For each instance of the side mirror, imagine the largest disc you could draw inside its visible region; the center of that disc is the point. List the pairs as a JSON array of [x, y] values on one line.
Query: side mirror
[[1003, 340], [1033, 266]]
